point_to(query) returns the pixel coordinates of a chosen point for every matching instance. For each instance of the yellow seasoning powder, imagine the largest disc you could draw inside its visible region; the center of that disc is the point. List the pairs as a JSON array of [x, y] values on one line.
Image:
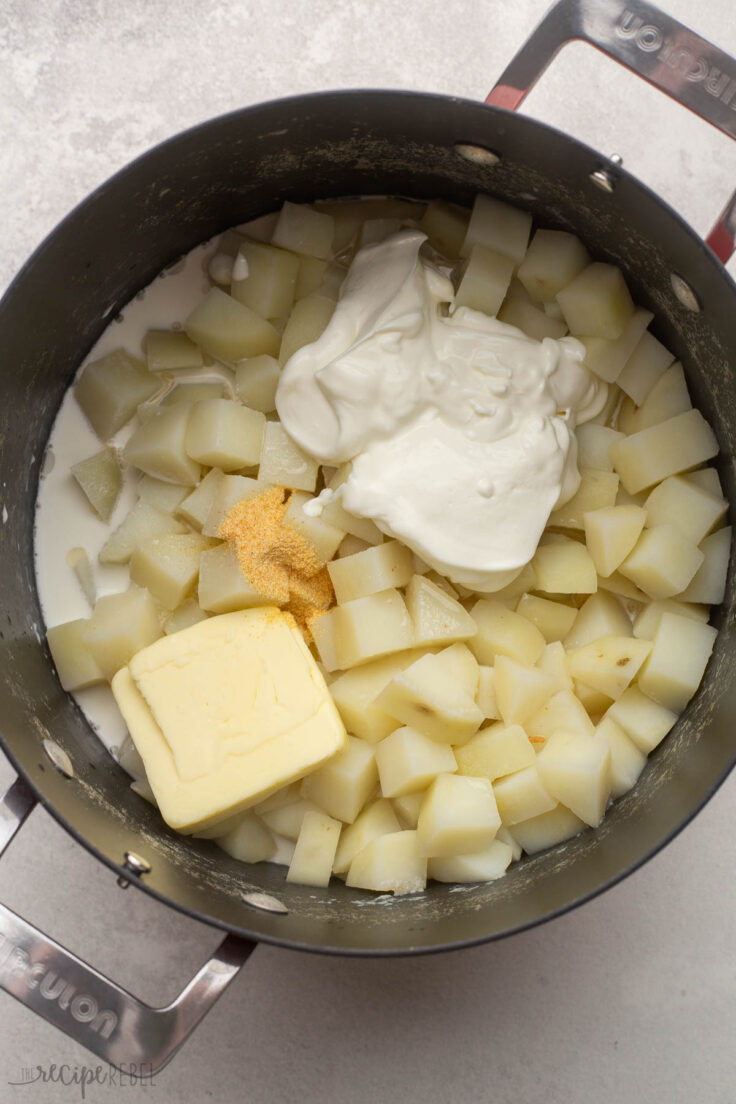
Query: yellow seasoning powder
[[278, 560]]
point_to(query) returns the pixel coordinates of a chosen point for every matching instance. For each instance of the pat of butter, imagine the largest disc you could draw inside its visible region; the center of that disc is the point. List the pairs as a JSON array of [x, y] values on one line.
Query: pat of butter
[[226, 712]]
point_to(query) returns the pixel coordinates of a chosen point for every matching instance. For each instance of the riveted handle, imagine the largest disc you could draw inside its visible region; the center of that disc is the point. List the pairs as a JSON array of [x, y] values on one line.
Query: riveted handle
[[86, 1005], [651, 44]]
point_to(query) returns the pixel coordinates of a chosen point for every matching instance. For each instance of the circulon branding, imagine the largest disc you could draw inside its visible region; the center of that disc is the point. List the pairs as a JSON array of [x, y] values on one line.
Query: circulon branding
[[52, 986], [672, 52]]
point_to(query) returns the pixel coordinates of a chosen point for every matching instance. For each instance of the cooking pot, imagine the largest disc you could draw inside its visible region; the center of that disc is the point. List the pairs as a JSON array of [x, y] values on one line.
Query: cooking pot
[[190, 188]]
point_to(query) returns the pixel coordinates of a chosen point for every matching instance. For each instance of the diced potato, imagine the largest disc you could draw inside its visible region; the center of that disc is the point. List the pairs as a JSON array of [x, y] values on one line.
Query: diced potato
[[324, 537], [485, 697], [668, 448], [564, 567], [611, 533], [521, 795], [389, 864], [597, 302], [627, 761], [121, 625], [286, 820], [594, 445], [530, 319], [164, 496], [310, 276], [437, 618], [708, 584], [458, 815], [617, 584], [609, 663], [323, 630], [264, 279], [691, 509], [663, 562], [425, 697], [188, 613], [355, 693], [577, 772], [407, 808], [553, 660], [223, 588], [485, 280], [520, 690], [158, 447], [349, 545], [562, 713], [170, 351], [257, 229], [230, 331], [100, 478], [379, 568], [343, 785], [222, 433], [496, 751], [553, 619], [498, 226], [605, 357], [335, 514], [445, 226], [378, 819], [256, 380], [141, 523], [647, 363], [644, 721], [314, 854], [597, 490], [367, 628], [461, 665], [408, 761], [647, 621], [377, 230], [479, 866], [600, 615], [668, 398], [594, 701], [554, 258], [75, 665], [230, 490], [78, 560], [503, 632], [168, 566], [248, 841], [110, 389], [283, 463], [548, 829], [304, 230], [707, 479], [676, 662]]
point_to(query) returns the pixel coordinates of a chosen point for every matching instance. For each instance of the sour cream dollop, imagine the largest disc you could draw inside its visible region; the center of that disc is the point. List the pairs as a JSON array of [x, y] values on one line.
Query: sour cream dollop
[[459, 429]]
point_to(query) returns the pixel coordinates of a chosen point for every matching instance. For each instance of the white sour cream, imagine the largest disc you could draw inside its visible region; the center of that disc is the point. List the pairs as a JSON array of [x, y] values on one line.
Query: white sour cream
[[459, 428]]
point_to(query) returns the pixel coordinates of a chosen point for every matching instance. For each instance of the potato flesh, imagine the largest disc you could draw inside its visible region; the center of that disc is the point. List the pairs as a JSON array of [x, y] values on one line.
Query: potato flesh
[[75, 665], [158, 447], [168, 567], [387, 565], [458, 815], [668, 448], [110, 389], [553, 260], [100, 478], [437, 618], [497, 226], [597, 302], [224, 434], [607, 359], [314, 854], [389, 864], [647, 363], [425, 697], [230, 331], [142, 523], [485, 280], [496, 751], [256, 380], [283, 463], [120, 626], [170, 351], [264, 279], [304, 230]]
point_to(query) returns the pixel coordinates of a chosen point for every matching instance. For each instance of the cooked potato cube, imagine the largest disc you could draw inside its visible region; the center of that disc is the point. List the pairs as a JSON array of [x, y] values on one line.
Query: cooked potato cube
[[222, 433], [230, 490], [157, 447], [674, 669], [495, 751], [644, 721], [322, 629], [597, 490], [554, 258], [520, 690], [230, 331], [141, 523], [498, 226], [627, 762], [611, 533], [485, 698], [647, 363], [647, 621], [548, 829], [437, 618], [553, 619], [75, 665], [170, 351], [425, 697], [577, 772], [708, 584], [195, 508], [310, 276], [355, 693], [445, 226], [110, 389], [594, 445], [458, 815], [335, 514], [389, 864], [264, 279], [100, 478], [120, 626], [561, 713], [485, 280], [503, 632], [188, 613], [324, 537], [597, 302], [343, 785], [283, 463], [168, 566], [367, 628], [304, 230], [407, 808], [553, 660], [530, 319], [387, 565], [378, 819], [663, 562], [377, 230], [256, 380], [164, 496], [314, 854], [479, 866], [460, 664], [248, 841], [609, 664], [564, 567], [607, 358], [223, 588], [668, 448], [594, 701], [521, 795], [691, 509], [706, 479], [408, 760], [668, 398]]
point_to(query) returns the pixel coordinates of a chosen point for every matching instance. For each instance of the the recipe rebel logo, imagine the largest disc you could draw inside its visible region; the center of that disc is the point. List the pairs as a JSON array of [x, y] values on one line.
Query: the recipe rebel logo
[[82, 1078]]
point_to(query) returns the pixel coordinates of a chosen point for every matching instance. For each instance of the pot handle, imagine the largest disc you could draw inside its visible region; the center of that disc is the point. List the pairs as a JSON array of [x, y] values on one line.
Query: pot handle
[[83, 1003], [651, 44]]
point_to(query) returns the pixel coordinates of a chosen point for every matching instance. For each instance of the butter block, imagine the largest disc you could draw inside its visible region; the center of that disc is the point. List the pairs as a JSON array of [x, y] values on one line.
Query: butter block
[[226, 712]]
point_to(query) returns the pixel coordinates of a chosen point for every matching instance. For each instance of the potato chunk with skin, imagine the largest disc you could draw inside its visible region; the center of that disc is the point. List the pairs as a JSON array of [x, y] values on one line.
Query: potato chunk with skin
[[547, 829], [498, 226], [264, 279], [303, 230], [611, 533], [521, 795], [662, 562], [478, 866], [110, 389], [668, 448], [379, 568], [100, 478], [495, 751], [564, 567], [458, 815], [674, 669], [644, 721], [158, 447], [283, 463], [597, 302], [75, 664], [248, 841], [485, 280], [408, 760], [314, 854], [389, 864], [256, 380], [140, 524], [500, 631], [554, 258], [609, 663], [423, 699], [120, 626], [168, 566], [343, 785], [437, 618], [577, 772], [223, 434], [378, 819], [230, 331]]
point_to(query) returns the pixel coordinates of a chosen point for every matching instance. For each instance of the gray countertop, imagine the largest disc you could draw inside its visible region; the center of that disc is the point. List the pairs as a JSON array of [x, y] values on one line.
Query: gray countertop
[[629, 998]]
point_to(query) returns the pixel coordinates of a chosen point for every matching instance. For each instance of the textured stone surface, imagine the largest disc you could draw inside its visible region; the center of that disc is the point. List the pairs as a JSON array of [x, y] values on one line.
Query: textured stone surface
[[630, 998]]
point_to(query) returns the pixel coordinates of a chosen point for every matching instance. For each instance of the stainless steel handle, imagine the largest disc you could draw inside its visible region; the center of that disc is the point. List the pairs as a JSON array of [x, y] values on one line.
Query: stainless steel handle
[[654, 46], [87, 1006]]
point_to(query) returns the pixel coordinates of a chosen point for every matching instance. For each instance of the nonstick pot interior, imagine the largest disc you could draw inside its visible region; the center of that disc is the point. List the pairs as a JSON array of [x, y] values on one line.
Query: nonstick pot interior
[[185, 191]]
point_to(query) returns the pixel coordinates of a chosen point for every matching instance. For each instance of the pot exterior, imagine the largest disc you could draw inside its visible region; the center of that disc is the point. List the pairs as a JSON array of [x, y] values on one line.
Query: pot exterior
[[185, 191]]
